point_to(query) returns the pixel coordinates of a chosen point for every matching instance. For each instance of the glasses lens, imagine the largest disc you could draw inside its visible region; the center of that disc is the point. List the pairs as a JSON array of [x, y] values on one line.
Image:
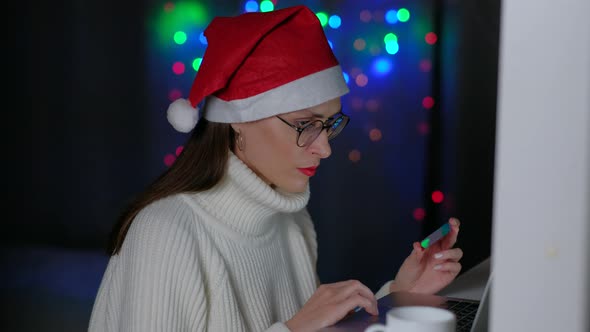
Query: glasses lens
[[337, 126], [310, 133]]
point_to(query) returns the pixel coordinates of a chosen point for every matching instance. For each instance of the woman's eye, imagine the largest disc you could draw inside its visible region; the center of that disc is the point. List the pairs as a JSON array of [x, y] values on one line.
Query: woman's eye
[[301, 123]]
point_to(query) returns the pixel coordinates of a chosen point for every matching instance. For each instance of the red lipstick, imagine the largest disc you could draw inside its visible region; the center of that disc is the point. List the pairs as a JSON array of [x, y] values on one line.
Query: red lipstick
[[309, 171]]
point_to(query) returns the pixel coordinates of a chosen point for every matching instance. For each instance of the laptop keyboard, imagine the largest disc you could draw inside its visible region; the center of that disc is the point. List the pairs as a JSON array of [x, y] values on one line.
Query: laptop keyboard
[[465, 312]]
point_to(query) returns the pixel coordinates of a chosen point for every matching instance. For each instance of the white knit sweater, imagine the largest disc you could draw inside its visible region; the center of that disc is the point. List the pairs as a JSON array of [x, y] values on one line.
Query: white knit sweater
[[239, 257]]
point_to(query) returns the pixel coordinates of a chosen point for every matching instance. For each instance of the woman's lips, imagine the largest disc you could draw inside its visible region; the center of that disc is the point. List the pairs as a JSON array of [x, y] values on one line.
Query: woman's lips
[[310, 171]]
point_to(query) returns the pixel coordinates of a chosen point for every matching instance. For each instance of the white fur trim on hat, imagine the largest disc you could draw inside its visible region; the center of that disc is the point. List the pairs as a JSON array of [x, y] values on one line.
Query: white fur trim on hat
[[182, 115]]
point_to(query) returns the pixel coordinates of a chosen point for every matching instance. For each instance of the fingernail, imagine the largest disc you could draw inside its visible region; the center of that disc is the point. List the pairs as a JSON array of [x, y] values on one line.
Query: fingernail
[[437, 256], [438, 267]]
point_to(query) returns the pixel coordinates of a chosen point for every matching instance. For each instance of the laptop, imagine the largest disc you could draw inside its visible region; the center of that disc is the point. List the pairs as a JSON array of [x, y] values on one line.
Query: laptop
[[472, 315]]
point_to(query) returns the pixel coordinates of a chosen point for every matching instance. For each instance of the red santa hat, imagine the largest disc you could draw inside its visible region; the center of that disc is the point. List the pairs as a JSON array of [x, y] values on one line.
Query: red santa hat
[[257, 65]]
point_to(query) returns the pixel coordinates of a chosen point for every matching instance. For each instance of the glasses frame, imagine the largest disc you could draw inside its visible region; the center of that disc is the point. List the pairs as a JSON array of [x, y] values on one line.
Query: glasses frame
[[325, 125]]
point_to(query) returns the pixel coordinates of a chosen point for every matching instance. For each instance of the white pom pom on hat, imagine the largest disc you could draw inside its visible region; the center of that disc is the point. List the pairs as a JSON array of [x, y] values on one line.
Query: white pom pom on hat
[[264, 69], [182, 115]]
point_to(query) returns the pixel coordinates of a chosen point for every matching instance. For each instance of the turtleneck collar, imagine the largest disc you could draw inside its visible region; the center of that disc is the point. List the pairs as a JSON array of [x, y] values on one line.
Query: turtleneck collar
[[245, 203]]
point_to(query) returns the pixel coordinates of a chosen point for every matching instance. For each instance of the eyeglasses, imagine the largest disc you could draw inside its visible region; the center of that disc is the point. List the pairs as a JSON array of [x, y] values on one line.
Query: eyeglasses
[[309, 132]]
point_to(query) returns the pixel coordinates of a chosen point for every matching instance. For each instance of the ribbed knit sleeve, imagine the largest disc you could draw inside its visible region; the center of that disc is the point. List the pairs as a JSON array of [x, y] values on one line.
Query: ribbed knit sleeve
[[384, 290], [157, 284]]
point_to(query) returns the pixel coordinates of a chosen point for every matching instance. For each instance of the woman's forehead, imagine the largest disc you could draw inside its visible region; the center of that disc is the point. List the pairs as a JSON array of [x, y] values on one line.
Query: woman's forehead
[[324, 110]]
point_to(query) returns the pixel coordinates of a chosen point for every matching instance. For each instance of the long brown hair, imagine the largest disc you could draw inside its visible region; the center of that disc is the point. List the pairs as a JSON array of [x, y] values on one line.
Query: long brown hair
[[199, 167]]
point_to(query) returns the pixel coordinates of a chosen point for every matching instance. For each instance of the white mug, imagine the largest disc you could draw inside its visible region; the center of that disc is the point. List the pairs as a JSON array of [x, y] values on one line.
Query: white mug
[[417, 319]]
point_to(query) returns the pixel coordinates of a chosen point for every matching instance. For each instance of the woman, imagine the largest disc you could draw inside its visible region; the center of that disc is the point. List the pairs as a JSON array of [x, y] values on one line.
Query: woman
[[222, 241]]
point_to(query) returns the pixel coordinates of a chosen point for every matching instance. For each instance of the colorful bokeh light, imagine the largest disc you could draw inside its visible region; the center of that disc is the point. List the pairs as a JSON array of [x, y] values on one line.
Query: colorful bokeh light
[[334, 21], [419, 214], [180, 37], [391, 16], [430, 38], [197, 63], [182, 16], [437, 196], [251, 6], [382, 66], [403, 15], [428, 102], [178, 68], [266, 6], [323, 17]]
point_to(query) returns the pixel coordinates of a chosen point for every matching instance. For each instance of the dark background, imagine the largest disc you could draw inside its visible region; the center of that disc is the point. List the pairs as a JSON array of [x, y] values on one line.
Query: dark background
[[92, 81]]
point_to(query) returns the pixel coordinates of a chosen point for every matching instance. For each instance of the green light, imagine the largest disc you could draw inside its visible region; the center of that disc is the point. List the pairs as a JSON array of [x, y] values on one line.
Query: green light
[[184, 16], [197, 63], [179, 37], [403, 15], [390, 37], [267, 6], [425, 243], [323, 18]]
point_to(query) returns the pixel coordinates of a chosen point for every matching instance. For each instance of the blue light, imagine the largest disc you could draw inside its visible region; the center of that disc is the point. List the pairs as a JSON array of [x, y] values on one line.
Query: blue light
[[334, 21], [346, 77], [203, 39], [392, 47], [331, 45], [391, 16], [382, 66], [251, 6]]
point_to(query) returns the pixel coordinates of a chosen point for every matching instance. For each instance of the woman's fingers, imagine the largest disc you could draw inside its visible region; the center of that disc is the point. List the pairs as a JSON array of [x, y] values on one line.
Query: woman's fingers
[[451, 238], [349, 288], [452, 267], [332, 302], [454, 254], [358, 300]]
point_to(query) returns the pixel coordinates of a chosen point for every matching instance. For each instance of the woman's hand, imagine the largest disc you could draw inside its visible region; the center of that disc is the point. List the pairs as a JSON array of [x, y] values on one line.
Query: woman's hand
[[332, 302], [430, 270]]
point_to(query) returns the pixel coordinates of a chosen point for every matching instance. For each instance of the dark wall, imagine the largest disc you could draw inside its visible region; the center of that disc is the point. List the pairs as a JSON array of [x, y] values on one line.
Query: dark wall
[[84, 83]]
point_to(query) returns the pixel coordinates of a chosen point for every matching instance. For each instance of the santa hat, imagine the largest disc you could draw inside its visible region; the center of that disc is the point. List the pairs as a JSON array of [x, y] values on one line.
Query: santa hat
[[257, 65]]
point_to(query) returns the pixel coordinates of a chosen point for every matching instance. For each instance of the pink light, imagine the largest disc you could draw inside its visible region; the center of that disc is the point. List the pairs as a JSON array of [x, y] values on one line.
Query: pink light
[[354, 156], [419, 214], [425, 65], [178, 68], [372, 105], [169, 159], [375, 135], [428, 102], [430, 38], [168, 7], [359, 44], [423, 128], [361, 80], [179, 150], [365, 16], [437, 196], [174, 94]]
